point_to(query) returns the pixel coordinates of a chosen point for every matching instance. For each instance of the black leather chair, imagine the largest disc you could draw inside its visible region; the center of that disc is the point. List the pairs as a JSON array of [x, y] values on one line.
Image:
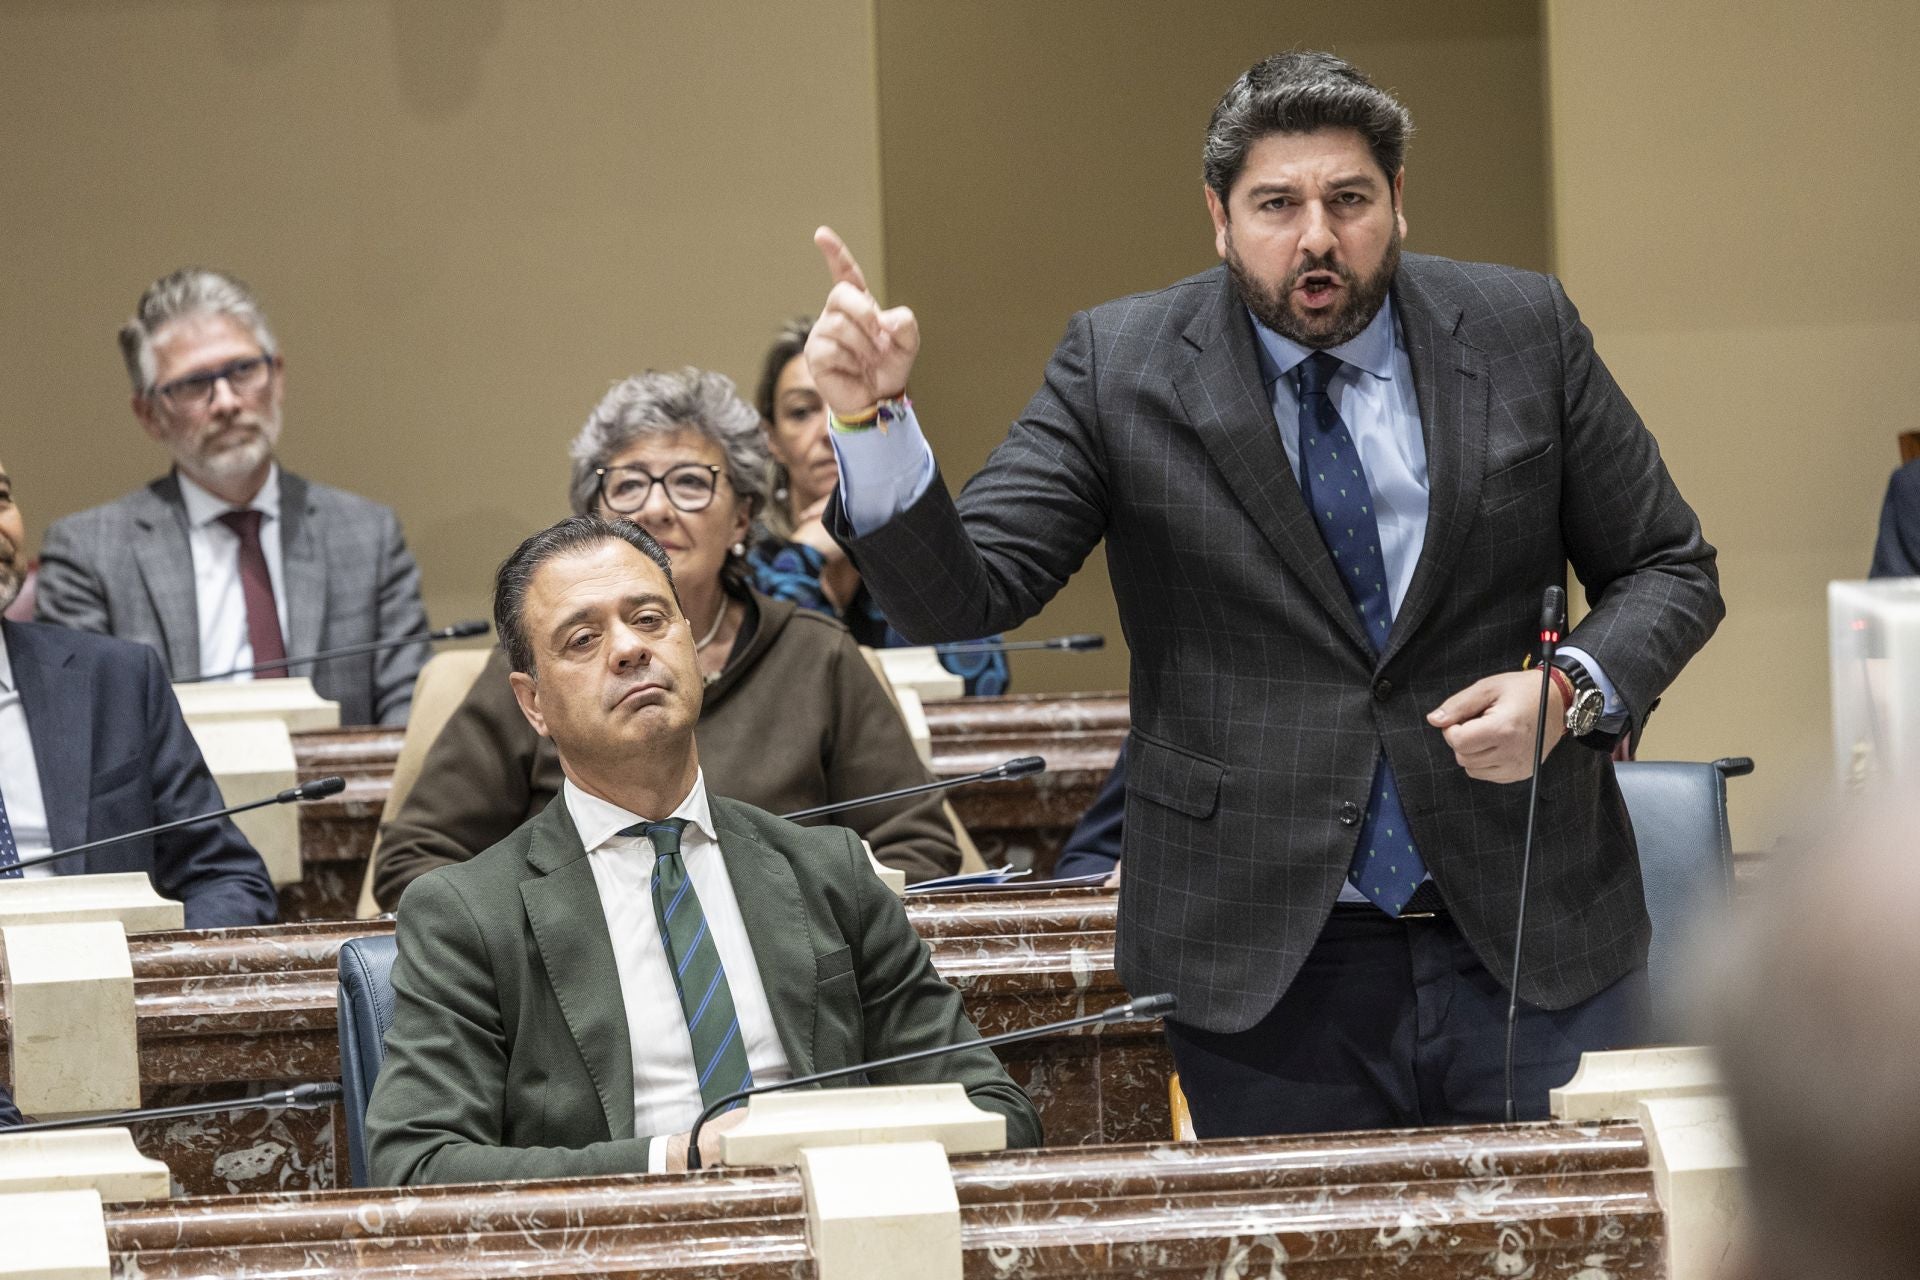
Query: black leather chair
[[1679, 812], [365, 1013]]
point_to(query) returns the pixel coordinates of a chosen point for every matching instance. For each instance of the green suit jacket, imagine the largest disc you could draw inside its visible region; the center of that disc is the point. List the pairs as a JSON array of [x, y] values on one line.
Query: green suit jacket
[[509, 1055]]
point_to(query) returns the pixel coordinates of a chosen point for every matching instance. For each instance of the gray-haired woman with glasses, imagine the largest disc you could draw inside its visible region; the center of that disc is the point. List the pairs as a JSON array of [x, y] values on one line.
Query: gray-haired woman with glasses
[[793, 717]]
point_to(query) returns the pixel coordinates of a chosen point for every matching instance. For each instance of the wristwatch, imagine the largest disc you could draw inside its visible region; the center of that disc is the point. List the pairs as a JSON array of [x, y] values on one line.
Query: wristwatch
[[1583, 714]]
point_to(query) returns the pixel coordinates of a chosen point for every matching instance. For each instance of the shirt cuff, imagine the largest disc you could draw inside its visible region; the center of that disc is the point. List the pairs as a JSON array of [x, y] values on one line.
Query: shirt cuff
[[1613, 713], [882, 472], [657, 1153]]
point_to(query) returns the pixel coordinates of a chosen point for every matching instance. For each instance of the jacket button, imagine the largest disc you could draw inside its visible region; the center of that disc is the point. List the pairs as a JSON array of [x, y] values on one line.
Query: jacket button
[[1382, 690], [1349, 814]]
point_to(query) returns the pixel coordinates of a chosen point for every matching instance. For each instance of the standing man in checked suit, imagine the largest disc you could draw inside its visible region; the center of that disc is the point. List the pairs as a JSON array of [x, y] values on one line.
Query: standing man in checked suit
[[227, 560], [1333, 483]]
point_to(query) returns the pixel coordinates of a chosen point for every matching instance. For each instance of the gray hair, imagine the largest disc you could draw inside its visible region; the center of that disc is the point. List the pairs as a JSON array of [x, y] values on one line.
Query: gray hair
[[1300, 92], [655, 403], [188, 291], [574, 534]]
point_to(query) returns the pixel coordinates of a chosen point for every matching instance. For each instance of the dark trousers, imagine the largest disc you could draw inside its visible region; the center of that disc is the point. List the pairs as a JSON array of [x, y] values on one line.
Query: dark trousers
[[1393, 1024]]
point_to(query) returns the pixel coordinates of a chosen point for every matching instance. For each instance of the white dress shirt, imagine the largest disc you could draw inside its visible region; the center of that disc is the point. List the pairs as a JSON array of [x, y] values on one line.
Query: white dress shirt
[[224, 642], [19, 775], [666, 1084]]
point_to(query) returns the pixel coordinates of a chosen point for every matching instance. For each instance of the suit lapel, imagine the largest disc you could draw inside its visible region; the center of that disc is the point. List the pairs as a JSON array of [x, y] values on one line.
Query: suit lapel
[[1230, 410], [166, 568], [1453, 385], [570, 929], [303, 566], [769, 896], [57, 695]]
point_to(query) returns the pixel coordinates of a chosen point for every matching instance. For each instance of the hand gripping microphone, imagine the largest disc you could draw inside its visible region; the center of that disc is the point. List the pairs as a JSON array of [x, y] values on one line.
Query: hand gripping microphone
[[458, 631], [1133, 1011], [1553, 612], [302, 1097], [315, 790], [1018, 767]]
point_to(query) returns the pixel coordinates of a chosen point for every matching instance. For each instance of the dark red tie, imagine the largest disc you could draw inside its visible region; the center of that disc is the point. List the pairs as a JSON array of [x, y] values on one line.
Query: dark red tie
[[263, 619]]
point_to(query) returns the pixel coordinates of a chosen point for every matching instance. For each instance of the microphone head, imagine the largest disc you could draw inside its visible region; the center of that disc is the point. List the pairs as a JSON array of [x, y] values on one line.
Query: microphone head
[[1021, 766], [320, 788], [1143, 1007], [1081, 643], [461, 630], [1155, 1006], [1553, 608]]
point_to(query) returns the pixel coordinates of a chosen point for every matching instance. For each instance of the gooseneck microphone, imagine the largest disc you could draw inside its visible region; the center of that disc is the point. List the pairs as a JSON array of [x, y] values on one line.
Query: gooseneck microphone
[[1553, 612], [1018, 767], [1083, 643], [315, 790], [302, 1097], [1133, 1011], [458, 631]]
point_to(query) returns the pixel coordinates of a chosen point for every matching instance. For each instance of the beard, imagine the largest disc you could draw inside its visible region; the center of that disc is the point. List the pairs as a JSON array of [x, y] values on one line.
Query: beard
[[244, 453], [1272, 305]]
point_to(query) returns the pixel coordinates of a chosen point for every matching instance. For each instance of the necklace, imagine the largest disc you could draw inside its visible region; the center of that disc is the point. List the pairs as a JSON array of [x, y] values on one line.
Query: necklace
[[713, 630]]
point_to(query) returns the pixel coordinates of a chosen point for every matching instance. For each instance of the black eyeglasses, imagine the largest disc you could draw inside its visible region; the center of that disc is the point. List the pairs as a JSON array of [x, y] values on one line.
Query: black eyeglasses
[[689, 486], [195, 391]]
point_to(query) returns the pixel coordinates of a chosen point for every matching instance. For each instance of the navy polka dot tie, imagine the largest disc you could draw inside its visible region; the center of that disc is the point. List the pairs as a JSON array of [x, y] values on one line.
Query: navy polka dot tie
[[1386, 866]]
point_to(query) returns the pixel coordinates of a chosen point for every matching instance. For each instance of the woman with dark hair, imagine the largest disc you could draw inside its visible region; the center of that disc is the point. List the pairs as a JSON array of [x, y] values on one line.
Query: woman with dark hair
[[793, 717], [798, 559]]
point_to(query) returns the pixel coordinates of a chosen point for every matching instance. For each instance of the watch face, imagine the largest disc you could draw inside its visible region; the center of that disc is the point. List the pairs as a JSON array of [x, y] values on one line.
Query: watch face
[[1584, 714]]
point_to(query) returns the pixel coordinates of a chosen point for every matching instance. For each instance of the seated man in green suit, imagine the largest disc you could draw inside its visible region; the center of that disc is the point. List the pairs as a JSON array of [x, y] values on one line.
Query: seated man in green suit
[[568, 1001]]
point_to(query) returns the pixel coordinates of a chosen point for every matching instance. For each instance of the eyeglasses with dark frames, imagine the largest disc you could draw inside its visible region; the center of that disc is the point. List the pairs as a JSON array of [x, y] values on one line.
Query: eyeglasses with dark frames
[[247, 376], [689, 486]]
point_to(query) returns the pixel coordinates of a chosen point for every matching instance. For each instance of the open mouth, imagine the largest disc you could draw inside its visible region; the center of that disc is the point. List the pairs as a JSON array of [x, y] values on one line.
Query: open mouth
[[1318, 288]]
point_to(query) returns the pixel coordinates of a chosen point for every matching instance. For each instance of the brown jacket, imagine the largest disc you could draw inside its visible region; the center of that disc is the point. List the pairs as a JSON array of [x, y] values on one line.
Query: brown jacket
[[796, 719]]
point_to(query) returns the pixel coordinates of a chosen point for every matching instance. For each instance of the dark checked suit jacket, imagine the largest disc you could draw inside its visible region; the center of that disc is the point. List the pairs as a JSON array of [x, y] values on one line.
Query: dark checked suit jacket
[[1258, 708], [125, 569]]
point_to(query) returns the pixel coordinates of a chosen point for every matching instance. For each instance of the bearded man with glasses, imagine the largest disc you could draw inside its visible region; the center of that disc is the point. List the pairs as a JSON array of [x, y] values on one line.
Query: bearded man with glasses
[[228, 561]]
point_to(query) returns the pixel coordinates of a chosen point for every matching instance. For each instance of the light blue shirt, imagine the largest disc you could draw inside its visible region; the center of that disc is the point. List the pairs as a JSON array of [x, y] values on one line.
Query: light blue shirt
[[882, 473], [1375, 397]]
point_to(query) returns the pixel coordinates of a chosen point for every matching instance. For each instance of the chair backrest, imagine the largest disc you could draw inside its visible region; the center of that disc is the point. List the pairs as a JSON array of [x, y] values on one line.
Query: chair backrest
[[1679, 813], [365, 1012], [438, 692]]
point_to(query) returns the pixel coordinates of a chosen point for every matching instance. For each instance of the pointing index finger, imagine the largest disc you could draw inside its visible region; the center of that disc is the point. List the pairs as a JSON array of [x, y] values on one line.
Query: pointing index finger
[[839, 259]]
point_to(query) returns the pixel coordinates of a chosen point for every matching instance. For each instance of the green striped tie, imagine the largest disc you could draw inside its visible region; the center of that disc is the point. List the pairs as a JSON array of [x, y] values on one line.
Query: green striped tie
[[719, 1054]]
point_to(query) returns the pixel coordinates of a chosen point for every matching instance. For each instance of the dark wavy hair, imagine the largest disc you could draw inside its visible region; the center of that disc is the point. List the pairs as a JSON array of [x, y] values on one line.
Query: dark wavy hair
[[574, 534], [1299, 92]]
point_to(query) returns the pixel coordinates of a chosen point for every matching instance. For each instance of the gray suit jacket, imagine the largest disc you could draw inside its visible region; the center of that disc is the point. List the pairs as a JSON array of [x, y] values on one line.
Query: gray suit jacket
[[510, 1055], [124, 569], [1259, 710]]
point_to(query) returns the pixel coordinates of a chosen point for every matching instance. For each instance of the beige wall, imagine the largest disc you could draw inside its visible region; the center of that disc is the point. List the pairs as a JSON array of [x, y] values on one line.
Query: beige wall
[[465, 221], [1734, 190], [1041, 158]]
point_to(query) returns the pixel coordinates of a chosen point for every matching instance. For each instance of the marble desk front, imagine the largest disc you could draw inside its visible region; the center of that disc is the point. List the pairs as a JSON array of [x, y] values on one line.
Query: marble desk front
[[227, 1012], [1444, 1204]]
